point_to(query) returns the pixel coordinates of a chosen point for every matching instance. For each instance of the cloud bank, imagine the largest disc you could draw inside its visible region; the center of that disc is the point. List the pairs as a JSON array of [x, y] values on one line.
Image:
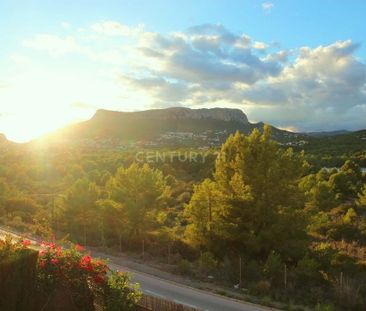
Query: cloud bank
[[321, 88]]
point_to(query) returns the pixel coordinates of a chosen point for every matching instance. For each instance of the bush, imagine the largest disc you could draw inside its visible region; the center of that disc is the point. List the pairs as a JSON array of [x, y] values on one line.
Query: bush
[[207, 263], [307, 272], [262, 288], [119, 295], [88, 280], [82, 280], [348, 294], [324, 307], [229, 271], [184, 267], [274, 268], [67, 269], [252, 272], [17, 275]]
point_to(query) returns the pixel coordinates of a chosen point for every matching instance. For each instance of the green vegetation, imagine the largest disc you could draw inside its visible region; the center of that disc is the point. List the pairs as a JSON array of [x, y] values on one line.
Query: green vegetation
[[17, 275], [60, 278], [296, 231], [333, 151]]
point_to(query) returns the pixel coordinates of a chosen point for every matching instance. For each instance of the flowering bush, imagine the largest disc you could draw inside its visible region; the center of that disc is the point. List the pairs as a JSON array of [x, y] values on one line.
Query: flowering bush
[[70, 277], [9, 247], [17, 275], [69, 269], [86, 279]]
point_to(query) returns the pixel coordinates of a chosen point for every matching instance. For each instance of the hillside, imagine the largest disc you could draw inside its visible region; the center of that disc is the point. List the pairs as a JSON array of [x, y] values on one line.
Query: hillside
[[167, 125], [3, 138], [336, 144], [4, 142]]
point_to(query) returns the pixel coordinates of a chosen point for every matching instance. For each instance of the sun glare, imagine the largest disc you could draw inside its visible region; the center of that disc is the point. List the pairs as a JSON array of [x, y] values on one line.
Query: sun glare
[[22, 128]]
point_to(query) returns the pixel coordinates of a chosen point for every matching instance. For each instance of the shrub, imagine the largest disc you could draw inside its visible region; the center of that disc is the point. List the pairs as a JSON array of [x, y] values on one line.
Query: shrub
[[274, 268], [17, 275], [184, 267], [347, 293], [87, 280], [307, 272], [262, 287], [324, 307], [119, 295], [207, 263], [80, 275], [252, 272]]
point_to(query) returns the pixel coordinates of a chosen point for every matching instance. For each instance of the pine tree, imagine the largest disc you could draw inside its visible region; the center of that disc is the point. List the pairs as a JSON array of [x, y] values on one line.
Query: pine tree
[[141, 191], [258, 204]]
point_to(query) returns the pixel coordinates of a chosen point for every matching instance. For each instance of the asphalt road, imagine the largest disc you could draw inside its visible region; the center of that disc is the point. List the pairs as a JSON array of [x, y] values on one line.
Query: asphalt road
[[182, 294], [185, 295]]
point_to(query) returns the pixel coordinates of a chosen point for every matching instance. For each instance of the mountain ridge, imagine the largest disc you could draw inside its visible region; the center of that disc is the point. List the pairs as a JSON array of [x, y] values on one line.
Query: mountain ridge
[[163, 124], [158, 124], [179, 113]]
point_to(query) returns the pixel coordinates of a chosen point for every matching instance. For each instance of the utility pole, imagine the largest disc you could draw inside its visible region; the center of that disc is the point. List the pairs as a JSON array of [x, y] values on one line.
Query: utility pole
[[209, 213], [285, 277], [143, 250], [168, 254], [209, 219], [341, 280], [53, 219], [240, 271]]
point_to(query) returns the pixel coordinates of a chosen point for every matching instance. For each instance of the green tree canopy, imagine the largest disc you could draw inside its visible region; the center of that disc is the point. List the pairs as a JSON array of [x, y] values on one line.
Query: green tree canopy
[[141, 191], [255, 202]]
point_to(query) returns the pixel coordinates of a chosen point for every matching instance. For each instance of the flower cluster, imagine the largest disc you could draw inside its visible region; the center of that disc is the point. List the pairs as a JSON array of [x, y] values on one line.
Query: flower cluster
[[69, 265], [26, 243], [73, 270]]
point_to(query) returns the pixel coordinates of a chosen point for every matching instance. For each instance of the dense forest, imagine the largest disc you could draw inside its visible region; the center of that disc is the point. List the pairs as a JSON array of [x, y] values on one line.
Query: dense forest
[[298, 229]]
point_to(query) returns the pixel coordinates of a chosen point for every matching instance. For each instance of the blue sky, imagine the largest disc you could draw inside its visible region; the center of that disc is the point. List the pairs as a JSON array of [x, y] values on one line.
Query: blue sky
[[292, 23], [295, 64]]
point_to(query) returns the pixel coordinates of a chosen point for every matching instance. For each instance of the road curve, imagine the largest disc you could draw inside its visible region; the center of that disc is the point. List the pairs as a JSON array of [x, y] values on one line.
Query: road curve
[[179, 293]]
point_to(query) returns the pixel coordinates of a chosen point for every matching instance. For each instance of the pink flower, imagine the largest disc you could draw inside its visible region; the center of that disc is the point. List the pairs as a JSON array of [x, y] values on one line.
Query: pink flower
[[59, 251], [79, 248], [26, 243], [42, 263], [85, 263], [48, 244], [42, 252], [54, 261], [86, 259]]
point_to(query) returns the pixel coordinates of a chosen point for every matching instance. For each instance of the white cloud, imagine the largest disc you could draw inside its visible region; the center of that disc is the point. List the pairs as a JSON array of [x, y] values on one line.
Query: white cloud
[[260, 45], [111, 28], [267, 6], [322, 89]]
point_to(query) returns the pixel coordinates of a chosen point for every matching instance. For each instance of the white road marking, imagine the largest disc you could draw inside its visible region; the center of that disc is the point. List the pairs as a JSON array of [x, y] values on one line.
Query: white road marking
[[154, 294], [186, 304]]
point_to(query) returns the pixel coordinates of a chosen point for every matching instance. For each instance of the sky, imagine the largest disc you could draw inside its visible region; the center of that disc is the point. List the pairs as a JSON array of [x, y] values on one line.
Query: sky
[[297, 64]]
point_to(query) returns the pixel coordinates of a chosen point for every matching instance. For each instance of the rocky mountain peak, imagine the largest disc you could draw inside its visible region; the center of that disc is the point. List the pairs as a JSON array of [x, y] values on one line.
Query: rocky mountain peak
[[179, 113]]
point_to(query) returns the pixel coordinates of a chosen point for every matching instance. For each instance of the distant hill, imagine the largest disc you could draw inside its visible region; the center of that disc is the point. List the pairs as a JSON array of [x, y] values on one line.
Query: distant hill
[[327, 133], [151, 124], [342, 144], [2, 138]]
